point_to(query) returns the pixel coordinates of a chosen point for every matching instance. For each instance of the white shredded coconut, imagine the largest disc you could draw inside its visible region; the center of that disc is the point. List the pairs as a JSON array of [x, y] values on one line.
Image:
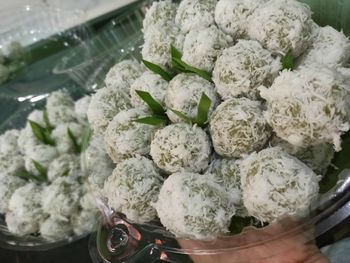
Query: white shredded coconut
[[104, 105], [194, 206], [281, 26], [308, 107], [38, 117], [27, 140], [43, 154], [60, 108], [238, 127], [184, 93], [81, 107], [132, 187], [88, 201], [84, 222], [64, 143], [193, 14], [160, 13], [55, 229], [242, 68], [9, 142], [64, 165], [275, 184], [181, 147], [10, 164], [8, 184]]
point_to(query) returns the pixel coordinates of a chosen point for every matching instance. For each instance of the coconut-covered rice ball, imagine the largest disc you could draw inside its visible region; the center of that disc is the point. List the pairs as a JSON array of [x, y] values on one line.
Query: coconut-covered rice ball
[[317, 157], [329, 47], [193, 14], [84, 222], [160, 13], [282, 26], [181, 147], [275, 184], [184, 93], [43, 154], [202, 46], [158, 41], [64, 143], [238, 127], [55, 229], [61, 198], [104, 105], [151, 83], [81, 107], [60, 108], [10, 164], [27, 140], [88, 201], [308, 107], [125, 138], [26, 213], [64, 165], [242, 68], [133, 186], [9, 142], [8, 185], [123, 74], [232, 16], [194, 206]]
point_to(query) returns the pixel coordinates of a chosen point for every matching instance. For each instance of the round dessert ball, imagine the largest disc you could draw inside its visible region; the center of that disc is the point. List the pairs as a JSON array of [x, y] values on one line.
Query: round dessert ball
[[317, 157], [194, 206], [203, 45], [81, 107], [232, 16], [193, 14], [133, 186], [10, 164], [125, 138], [308, 107], [158, 41], [238, 127], [43, 154], [181, 147], [26, 213], [61, 198], [60, 108], [104, 105], [27, 140], [275, 184], [184, 93], [329, 47], [84, 222], [151, 83], [64, 143], [282, 26], [55, 229], [160, 13], [8, 185], [64, 165], [9, 142], [244, 67], [123, 74]]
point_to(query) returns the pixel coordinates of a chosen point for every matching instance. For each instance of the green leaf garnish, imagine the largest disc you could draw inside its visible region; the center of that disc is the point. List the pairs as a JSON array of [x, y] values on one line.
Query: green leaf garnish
[[41, 133], [183, 116], [153, 104], [182, 66], [30, 177], [287, 61], [66, 172], [157, 70], [47, 121], [203, 110], [41, 170], [74, 140], [152, 120], [85, 140]]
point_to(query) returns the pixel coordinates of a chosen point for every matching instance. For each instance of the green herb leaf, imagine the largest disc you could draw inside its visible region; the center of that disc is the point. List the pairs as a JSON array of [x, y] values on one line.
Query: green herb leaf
[[47, 121], [85, 140], [66, 172], [175, 53], [157, 70], [30, 177], [41, 133], [152, 120], [183, 116], [41, 170], [154, 105], [287, 61], [203, 110], [75, 143]]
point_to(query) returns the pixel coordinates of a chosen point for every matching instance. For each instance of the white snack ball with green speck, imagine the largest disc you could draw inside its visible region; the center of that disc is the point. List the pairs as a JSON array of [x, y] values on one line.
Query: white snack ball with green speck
[[64, 165], [9, 142], [26, 213], [10, 164], [58, 99], [88, 201], [232, 16], [132, 188], [160, 13], [84, 222], [152, 83], [104, 105], [81, 107], [329, 47], [308, 107], [317, 157], [61, 198], [202, 46], [55, 229], [125, 138], [281, 26], [242, 68], [123, 74], [194, 206], [276, 184], [64, 143], [43, 154], [8, 184], [184, 93], [27, 140], [60, 108], [193, 14], [157, 46], [181, 147], [238, 127]]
